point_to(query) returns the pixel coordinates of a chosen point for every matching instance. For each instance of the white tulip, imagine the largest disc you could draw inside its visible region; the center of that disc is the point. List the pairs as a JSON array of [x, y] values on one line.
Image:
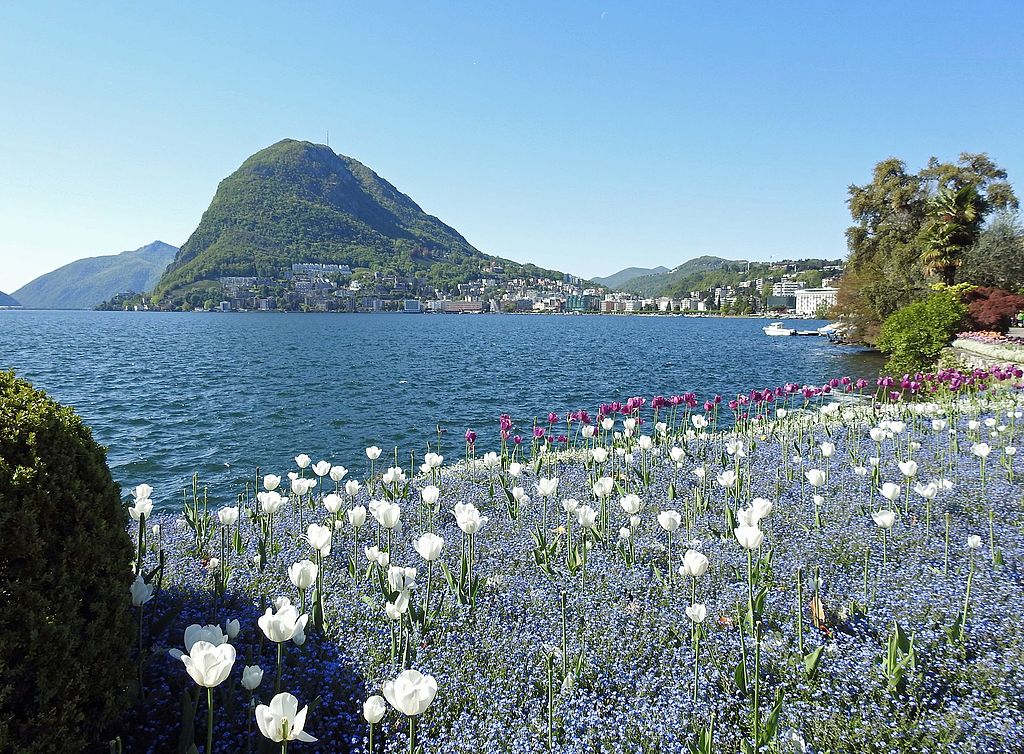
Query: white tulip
[[890, 491], [141, 508], [333, 503], [302, 574], [208, 664], [357, 516], [374, 709], [631, 504], [319, 538], [546, 487], [468, 518], [283, 624], [282, 720], [669, 520], [908, 468], [586, 516], [749, 537], [140, 591], [252, 677], [429, 546], [228, 516], [695, 564], [816, 477], [430, 494], [388, 514], [411, 693], [697, 613], [884, 519], [603, 487]]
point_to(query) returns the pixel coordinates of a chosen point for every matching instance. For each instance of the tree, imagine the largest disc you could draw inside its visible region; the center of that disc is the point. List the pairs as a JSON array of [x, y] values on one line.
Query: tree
[[993, 308], [954, 224], [997, 260], [887, 239]]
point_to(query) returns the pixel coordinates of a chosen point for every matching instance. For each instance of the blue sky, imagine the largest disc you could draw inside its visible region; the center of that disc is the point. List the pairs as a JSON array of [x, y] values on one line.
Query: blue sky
[[583, 136]]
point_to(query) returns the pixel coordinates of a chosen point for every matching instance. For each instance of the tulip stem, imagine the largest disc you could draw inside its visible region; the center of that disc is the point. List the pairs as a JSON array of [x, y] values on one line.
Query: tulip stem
[[280, 655], [565, 656], [426, 602], [142, 690], [142, 542], [945, 568], [799, 611], [209, 721], [696, 661], [369, 748], [551, 700], [967, 596], [757, 644], [412, 734]]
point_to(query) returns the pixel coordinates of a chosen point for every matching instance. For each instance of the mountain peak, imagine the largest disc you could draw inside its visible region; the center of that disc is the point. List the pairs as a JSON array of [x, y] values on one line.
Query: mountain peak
[[7, 302], [296, 202]]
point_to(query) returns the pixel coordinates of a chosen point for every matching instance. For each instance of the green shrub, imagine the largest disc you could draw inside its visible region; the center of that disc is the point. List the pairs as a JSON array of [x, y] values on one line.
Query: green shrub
[[914, 335], [66, 637]]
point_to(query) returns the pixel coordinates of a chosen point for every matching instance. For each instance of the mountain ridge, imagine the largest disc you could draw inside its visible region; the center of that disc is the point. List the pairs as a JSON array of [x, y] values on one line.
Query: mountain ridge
[[88, 282], [623, 276]]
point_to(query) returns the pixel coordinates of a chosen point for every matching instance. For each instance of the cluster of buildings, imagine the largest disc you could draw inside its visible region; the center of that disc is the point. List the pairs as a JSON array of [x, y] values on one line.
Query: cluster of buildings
[[332, 287]]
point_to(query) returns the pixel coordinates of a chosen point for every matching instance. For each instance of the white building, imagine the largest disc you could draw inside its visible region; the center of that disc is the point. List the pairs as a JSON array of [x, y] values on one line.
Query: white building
[[786, 288], [808, 300]]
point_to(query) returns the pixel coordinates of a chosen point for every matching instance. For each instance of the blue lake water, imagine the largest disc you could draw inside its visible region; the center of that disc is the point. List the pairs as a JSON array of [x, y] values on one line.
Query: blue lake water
[[219, 394]]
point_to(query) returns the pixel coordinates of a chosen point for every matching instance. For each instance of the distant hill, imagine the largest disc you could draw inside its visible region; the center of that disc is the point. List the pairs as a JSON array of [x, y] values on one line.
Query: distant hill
[[89, 282], [695, 270], [300, 202], [622, 277], [7, 301]]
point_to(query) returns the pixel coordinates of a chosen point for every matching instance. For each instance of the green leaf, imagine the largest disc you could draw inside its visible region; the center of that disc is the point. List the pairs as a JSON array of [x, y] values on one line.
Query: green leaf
[[740, 677], [812, 660]]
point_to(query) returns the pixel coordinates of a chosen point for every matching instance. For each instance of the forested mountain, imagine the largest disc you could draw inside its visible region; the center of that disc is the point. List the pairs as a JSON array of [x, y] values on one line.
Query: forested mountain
[[297, 202]]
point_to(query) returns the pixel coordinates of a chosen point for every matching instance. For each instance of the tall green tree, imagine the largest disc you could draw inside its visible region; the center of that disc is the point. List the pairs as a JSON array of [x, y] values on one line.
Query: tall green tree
[[953, 227], [997, 260], [887, 241]]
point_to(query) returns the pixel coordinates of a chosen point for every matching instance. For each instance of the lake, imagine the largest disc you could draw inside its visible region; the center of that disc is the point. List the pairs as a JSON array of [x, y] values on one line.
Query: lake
[[219, 394]]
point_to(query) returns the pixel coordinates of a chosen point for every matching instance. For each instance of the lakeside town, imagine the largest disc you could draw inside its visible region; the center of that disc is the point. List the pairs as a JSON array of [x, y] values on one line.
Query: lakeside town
[[782, 290]]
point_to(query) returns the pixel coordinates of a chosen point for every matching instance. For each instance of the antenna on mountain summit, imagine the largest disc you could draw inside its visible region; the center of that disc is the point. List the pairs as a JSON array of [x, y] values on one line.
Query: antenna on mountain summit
[[328, 137]]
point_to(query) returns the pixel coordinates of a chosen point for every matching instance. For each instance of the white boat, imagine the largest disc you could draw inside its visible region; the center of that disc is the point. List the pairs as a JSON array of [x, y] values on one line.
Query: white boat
[[777, 328]]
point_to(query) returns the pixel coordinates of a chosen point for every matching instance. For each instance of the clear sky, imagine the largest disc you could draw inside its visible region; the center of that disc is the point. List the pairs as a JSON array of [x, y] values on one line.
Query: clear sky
[[583, 136]]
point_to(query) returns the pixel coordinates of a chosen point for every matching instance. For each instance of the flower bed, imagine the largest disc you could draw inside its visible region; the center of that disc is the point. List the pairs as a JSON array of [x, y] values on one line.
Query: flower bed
[[991, 337], [817, 576]]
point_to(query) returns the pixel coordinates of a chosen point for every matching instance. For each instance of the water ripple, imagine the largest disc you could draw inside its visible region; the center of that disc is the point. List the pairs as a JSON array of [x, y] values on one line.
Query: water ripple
[[173, 394]]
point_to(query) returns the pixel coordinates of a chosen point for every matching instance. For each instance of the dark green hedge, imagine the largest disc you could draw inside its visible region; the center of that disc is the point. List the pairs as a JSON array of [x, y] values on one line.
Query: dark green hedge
[[66, 637]]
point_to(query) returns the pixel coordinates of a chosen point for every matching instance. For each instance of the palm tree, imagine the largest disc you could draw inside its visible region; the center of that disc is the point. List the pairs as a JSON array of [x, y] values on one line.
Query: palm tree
[[953, 227]]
